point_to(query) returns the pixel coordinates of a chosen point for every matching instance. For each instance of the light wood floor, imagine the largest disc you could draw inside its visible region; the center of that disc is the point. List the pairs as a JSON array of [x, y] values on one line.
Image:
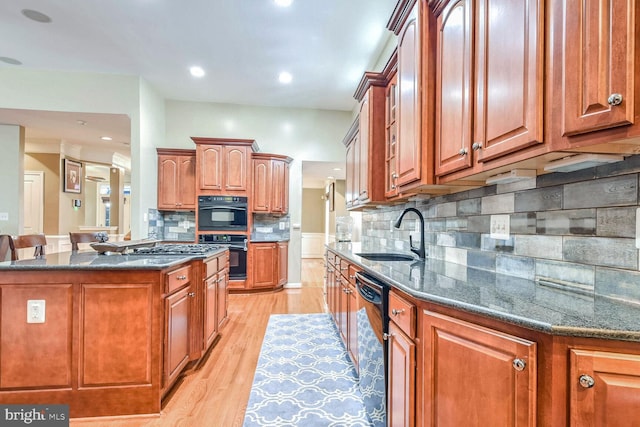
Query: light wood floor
[[216, 395]]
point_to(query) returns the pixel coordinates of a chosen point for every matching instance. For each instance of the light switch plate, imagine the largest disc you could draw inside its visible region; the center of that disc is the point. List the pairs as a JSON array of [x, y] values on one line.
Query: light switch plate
[[36, 310], [638, 228], [500, 227], [4, 216]]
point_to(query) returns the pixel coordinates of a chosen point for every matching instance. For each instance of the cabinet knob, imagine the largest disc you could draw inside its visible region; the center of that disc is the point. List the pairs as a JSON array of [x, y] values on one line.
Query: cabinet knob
[[397, 311], [192, 294], [352, 276], [462, 152], [181, 277], [394, 175], [586, 381], [519, 364], [386, 336], [476, 146], [393, 187], [614, 99]]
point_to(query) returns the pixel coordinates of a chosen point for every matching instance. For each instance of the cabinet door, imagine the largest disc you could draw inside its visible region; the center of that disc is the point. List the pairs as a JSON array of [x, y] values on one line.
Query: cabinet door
[[604, 389], [391, 140], [490, 374], [261, 185], [352, 323], [409, 121], [598, 57], [176, 352], [509, 68], [210, 167], [265, 265], [352, 173], [453, 87], [222, 297], [235, 162], [277, 203], [168, 184], [343, 309], [283, 263], [210, 307], [187, 179], [401, 377], [362, 158]]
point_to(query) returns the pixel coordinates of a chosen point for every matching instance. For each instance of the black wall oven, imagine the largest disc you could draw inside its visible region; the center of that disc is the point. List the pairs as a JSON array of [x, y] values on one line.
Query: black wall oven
[[237, 244], [222, 213]]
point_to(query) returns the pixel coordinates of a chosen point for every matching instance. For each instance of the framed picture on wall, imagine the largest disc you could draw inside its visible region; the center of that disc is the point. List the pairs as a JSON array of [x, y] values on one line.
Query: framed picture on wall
[[72, 176]]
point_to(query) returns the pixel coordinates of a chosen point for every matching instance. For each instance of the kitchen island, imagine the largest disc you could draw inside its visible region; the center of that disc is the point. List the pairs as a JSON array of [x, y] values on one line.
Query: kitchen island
[[511, 351], [106, 334]]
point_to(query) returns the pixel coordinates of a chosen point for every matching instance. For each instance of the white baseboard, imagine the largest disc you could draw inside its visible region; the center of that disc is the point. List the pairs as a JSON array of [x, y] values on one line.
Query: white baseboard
[[292, 285]]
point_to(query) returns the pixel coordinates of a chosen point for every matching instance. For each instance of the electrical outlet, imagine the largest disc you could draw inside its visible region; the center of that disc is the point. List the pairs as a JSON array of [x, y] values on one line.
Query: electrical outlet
[[4, 216], [36, 310], [500, 227]]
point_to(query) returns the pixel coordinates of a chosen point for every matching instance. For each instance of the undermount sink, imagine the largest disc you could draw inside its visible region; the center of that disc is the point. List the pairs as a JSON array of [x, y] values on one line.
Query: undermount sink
[[381, 256]]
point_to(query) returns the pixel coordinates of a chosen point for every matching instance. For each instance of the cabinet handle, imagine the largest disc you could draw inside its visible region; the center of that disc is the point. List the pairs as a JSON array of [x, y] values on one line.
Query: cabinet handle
[[352, 276], [192, 294], [614, 99], [462, 152], [344, 269], [397, 311], [386, 336], [586, 381], [519, 364], [476, 146], [181, 277]]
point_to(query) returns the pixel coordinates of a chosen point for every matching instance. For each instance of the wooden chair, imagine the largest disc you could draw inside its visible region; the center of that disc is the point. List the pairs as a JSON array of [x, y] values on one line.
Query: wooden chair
[[5, 247], [84, 238], [36, 241]]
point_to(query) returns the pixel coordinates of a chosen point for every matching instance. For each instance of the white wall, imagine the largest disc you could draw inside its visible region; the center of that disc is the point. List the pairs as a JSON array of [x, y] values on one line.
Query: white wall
[[11, 178]]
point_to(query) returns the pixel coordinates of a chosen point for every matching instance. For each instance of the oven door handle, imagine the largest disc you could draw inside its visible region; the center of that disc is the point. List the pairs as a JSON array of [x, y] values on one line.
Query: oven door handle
[[242, 248], [204, 208]]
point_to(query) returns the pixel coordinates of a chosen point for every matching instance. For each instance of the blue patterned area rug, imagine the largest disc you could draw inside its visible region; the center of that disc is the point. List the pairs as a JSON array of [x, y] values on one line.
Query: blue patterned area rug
[[304, 377]]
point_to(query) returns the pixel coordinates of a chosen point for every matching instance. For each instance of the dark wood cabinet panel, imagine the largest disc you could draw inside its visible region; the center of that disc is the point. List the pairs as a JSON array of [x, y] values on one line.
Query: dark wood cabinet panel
[[604, 388], [53, 338], [598, 61], [490, 374]]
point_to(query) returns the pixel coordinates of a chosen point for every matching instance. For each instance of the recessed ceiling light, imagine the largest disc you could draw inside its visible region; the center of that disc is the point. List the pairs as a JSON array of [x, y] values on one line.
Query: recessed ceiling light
[[337, 169], [34, 15], [285, 77], [283, 3], [106, 138], [11, 61], [81, 122], [196, 71]]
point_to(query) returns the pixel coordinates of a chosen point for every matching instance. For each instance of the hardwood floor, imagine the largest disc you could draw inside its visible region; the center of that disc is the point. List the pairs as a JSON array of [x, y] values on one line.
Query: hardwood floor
[[216, 394]]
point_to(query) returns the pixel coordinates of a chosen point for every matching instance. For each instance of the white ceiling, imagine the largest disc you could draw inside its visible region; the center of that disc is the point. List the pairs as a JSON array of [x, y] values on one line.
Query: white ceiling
[[242, 45]]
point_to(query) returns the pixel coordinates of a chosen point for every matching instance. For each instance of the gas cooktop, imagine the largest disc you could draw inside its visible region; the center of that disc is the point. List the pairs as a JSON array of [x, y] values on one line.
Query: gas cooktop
[[176, 249]]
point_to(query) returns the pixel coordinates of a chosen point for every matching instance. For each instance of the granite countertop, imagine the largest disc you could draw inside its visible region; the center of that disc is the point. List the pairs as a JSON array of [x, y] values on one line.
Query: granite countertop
[[91, 260], [542, 306]]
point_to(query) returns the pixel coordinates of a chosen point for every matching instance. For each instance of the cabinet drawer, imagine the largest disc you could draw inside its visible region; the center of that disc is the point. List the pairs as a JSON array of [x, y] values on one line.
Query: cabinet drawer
[[403, 314], [223, 260], [178, 278], [331, 258], [344, 267], [211, 267]]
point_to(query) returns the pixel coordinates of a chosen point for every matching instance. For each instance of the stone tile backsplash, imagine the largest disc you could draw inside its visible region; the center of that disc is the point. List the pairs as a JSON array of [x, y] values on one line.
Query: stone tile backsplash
[[573, 230], [172, 226]]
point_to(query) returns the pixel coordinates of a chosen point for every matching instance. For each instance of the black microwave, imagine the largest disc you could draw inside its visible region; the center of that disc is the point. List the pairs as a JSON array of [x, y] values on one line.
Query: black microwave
[[222, 213]]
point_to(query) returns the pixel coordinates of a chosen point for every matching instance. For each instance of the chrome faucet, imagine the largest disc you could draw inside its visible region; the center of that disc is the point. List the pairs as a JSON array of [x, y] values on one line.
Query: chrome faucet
[[420, 251]]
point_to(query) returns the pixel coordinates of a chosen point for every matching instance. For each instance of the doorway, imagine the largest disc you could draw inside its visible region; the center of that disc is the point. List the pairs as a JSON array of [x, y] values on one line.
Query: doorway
[[33, 203]]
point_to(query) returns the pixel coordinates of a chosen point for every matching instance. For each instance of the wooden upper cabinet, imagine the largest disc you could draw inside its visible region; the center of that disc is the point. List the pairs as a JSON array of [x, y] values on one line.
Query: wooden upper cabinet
[[391, 138], [270, 183], [489, 80], [599, 52], [490, 374], [365, 144], [176, 179], [604, 388], [409, 121], [223, 166]]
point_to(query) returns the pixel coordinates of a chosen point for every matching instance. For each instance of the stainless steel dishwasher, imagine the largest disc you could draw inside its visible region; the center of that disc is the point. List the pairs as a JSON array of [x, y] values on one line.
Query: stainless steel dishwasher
[[373, 323]]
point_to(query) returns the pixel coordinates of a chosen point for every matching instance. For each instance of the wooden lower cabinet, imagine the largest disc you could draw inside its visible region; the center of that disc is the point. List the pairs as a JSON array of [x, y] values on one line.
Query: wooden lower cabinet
[[283, 263], [604, 388], [176, 349], [475, 375], [268, 263], [402, 383]]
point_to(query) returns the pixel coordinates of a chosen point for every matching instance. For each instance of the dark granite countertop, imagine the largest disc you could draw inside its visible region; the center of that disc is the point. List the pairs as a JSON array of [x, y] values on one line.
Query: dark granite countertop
[[537, 305], [91, 260]]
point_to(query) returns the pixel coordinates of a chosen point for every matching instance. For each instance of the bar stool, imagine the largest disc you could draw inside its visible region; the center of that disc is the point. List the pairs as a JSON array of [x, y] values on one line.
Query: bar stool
[[36, 241]]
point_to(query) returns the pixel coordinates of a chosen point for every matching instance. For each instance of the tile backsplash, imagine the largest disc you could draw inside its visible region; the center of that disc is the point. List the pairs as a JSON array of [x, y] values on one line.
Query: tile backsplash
[[575, 230], [172, 226]]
